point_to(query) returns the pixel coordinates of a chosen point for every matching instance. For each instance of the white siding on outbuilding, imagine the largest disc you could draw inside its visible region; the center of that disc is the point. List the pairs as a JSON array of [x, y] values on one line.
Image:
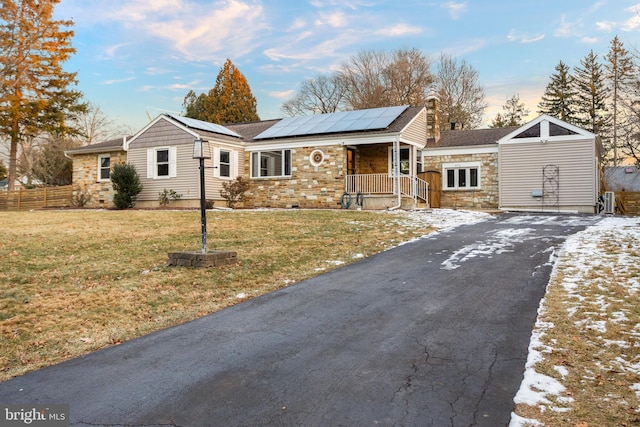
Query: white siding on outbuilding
[[521, 163]]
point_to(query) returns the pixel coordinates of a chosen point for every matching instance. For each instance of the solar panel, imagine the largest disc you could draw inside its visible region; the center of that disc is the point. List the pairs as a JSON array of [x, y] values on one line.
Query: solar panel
[[206, 126], [343, 121]]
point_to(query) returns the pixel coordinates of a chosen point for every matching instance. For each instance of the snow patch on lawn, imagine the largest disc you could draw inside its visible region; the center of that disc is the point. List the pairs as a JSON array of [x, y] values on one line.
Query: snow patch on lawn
[[580, 254]]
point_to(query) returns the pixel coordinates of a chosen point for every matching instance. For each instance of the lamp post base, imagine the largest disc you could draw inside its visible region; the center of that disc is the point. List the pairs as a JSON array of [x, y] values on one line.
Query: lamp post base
[[202, 260]]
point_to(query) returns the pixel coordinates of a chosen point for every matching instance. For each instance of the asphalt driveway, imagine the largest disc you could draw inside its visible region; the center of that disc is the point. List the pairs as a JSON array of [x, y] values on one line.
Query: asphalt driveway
[[432, 333]]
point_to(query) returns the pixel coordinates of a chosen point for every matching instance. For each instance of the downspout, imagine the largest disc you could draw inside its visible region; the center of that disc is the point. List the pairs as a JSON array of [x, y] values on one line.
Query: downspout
[[396, 171]]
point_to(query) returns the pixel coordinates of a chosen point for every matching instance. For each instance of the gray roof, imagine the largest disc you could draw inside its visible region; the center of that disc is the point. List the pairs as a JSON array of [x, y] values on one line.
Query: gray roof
[[622, 178], [249, 130], [463, 138], [100, 147]]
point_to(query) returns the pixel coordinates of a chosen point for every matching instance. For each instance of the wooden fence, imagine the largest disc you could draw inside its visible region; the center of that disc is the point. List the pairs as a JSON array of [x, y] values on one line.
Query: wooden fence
[[627, 202], [36, 198]]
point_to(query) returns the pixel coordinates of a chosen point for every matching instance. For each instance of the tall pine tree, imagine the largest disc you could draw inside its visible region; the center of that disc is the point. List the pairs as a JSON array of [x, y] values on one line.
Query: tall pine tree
[[559, 95], [590, 93], [620, 70], [36, 95], [229, 101]]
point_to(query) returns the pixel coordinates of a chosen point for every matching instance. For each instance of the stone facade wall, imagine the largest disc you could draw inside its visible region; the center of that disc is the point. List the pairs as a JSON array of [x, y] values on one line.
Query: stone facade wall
[[308, 187], [373, 159], [85, 178], [487, 197]]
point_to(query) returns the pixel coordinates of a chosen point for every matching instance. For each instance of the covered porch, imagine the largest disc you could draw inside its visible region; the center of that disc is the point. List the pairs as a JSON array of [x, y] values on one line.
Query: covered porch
[[384, 176]]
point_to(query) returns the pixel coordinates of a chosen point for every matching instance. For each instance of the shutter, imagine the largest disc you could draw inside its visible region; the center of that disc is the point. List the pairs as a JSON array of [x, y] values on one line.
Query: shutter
[[173, 161], [216, 162], [234, 164], [150, 162]]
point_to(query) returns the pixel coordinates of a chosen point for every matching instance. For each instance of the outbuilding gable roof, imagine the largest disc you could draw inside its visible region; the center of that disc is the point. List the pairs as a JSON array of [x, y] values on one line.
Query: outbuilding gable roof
[[545, 127]]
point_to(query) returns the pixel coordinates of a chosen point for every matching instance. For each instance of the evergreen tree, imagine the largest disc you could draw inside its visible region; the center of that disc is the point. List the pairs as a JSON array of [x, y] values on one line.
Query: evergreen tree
[[193, 105], [36, 95], [230, 100], [514, 113], [620, 70], [559, 96], [591, 93], [51, 166], [498, 122], [126, 184]]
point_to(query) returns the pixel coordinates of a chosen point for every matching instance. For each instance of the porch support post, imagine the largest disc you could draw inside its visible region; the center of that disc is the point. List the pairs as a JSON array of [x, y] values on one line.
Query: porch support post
[[396, 171]]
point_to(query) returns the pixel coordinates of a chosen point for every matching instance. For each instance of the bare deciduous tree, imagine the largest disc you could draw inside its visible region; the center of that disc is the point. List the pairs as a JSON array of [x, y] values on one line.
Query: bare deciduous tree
[[620, 70], [369, 79], [95, 126], [322, 94], [409, 77], [382, 79], [462, 99]]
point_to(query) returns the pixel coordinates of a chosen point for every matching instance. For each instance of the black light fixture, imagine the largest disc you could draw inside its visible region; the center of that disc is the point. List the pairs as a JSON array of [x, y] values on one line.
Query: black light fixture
[[201, 151]]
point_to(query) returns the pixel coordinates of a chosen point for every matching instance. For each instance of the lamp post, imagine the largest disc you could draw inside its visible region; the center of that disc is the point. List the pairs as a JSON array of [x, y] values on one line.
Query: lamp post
[[201, 152]]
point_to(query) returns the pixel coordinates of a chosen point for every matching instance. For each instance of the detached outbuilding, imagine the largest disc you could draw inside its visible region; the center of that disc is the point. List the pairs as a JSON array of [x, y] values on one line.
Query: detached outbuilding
[[549, 165]]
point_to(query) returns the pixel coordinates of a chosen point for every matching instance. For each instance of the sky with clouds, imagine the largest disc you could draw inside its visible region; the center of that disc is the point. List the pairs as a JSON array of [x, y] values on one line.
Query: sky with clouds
[[138, 58]]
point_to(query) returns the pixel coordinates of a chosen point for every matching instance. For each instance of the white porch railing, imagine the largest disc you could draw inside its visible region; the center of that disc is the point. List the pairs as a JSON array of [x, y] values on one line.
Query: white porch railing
[[383, 183]]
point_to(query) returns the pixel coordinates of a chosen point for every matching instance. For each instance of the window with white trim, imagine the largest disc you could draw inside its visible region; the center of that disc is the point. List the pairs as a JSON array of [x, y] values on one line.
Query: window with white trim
[[225, 163], [161, 162], [271, 164], [461, 176], [104, 167]]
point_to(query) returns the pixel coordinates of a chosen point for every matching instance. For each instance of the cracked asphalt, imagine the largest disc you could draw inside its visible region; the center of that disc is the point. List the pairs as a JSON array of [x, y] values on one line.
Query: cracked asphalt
[[431, 333]]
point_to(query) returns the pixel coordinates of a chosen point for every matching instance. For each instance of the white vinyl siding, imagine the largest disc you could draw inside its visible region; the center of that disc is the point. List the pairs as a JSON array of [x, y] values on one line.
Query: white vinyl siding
[[521, 172], [186, 179], [415, 132]]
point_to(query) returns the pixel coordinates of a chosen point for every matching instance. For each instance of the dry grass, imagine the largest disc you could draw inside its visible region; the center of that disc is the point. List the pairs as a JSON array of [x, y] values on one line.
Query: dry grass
[[592, 345], [72, 282]]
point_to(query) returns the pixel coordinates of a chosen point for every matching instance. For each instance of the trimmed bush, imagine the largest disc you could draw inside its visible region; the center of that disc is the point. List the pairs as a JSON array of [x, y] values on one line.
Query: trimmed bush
[[126, 183]]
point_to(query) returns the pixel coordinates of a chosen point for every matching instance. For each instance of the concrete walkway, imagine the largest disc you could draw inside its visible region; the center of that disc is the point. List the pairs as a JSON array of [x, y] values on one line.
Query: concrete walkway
[[432, 333]]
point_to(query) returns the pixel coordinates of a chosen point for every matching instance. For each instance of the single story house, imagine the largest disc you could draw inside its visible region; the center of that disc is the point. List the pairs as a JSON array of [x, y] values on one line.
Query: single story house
[[381, 158], [306, 162]]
